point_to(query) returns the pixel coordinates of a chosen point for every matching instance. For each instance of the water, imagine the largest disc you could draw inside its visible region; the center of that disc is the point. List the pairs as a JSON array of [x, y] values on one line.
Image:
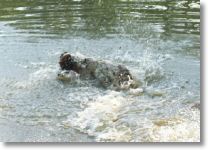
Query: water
[[158, 40]]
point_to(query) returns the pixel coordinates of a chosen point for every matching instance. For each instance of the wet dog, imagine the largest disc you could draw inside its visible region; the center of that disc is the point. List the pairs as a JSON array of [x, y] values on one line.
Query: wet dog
[[107, 75]]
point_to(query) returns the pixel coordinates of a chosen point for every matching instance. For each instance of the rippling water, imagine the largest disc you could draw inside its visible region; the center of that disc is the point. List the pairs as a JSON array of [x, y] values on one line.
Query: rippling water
[[158, 40]]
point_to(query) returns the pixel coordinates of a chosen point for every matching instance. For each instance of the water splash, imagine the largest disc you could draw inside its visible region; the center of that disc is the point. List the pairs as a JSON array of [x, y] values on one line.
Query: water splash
[[100, 116]]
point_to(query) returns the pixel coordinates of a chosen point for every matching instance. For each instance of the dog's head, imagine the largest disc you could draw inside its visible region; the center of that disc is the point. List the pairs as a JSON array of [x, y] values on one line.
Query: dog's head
[[65, 60]]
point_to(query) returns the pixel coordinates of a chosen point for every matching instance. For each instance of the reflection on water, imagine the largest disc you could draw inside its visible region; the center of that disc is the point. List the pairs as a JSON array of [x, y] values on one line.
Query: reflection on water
[[158, 40], [102, 17]]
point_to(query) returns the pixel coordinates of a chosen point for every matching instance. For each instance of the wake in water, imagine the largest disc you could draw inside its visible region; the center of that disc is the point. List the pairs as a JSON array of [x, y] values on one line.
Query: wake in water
[[145, 114], [109, 117]]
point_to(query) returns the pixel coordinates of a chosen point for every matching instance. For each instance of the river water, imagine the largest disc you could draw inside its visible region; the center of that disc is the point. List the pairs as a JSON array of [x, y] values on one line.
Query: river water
[[157, 40]]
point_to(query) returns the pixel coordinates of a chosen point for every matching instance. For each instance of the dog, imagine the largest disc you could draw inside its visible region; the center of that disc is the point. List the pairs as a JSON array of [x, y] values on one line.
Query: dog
[[107, 75]]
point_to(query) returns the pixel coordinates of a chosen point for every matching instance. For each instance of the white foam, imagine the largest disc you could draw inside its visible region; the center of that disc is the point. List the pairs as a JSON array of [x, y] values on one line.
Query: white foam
[[123, 134], [68, 76], [99, 118], [183, 127], [103, 118], [136, 92]]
